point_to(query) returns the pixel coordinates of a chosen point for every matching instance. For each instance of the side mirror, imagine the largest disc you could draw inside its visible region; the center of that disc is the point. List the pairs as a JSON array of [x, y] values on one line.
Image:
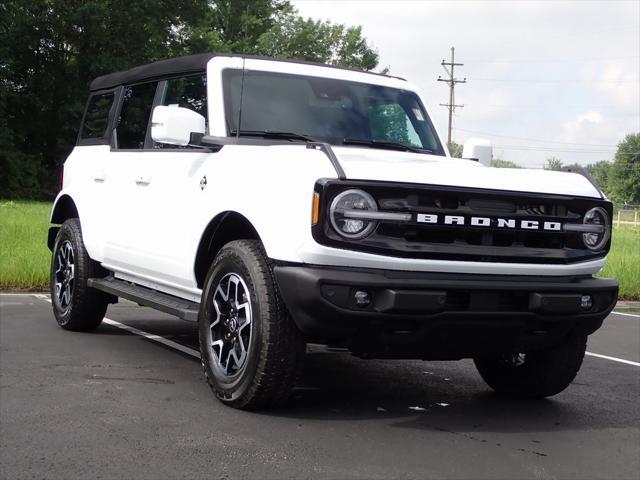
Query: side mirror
[[174, 125], [478, 149]]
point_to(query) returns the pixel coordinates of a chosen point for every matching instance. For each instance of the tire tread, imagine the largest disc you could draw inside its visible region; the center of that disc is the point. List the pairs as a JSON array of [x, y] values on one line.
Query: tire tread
[[88, 306], [548, 373], [282, 349]]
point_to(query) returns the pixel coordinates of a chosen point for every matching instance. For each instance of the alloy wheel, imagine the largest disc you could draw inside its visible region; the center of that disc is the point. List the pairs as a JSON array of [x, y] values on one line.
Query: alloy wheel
[[64, 275], [231, 328], [516, 359]]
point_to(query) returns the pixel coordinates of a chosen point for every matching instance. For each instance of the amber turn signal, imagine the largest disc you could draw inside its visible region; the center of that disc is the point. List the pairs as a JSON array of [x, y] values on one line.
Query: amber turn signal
[[315, 213]]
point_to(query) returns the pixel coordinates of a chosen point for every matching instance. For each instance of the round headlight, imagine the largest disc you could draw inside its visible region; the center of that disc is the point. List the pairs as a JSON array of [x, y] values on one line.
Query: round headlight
[[596, 240], [349, 225]]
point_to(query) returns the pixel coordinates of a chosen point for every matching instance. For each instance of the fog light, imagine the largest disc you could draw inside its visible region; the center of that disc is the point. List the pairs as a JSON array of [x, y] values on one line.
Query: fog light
[[362, 298], [586, 302]]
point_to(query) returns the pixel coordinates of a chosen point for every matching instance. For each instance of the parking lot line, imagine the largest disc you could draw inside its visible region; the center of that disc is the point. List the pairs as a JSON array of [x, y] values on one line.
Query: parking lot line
[[196, 354], [613, 359], [626, 314], [135, 331], [155, 338]]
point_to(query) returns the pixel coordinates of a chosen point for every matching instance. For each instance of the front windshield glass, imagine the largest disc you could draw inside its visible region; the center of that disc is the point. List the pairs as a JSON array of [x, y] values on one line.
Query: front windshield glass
[[329, 110]]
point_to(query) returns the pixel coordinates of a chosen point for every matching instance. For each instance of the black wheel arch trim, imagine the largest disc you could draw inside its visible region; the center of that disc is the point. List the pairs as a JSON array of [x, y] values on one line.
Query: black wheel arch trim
[[223, 228], [63, 209]]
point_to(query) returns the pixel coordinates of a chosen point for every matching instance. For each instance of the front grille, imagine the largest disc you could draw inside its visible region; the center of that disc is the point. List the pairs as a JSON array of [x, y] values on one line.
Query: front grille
[[493, 241]]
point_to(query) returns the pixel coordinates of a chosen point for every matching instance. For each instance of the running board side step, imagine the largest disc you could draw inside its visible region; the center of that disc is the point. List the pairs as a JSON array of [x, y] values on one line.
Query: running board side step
[[179, 307]]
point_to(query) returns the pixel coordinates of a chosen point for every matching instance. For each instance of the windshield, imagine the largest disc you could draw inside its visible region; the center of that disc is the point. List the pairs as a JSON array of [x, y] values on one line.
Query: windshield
[[335, 111]]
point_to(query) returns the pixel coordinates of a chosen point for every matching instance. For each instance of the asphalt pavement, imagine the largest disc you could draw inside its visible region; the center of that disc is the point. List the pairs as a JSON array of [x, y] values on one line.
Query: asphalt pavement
[[117, 403]]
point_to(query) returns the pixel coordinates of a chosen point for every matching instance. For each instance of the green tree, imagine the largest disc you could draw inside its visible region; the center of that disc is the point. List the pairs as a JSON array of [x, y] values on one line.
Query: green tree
[[50, 50], [455, 149], [231, 26], [318, 41], [499, 163], [274, 28], [624, 179], [600, 172], [553, 163], [574, 167]]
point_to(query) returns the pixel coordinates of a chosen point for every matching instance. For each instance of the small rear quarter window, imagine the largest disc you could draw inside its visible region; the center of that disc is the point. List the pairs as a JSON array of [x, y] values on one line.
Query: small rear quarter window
[[96, 118]]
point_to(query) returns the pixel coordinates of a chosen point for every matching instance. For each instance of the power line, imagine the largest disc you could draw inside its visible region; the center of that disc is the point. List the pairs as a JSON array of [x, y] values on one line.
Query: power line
[[613, 111], [556, 105], [554, 60], [522, 80], [552, 149], [541, 166], [592, 31], [562, 150], [451, 81], [537, 139]]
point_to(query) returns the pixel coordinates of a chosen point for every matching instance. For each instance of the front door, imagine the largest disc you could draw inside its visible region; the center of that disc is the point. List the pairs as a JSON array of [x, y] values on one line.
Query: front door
[[153, 187]]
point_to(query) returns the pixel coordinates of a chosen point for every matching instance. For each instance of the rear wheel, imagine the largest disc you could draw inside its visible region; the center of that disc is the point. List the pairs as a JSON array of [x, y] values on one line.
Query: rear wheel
[[76, 306], [535, 374], [251, 349]]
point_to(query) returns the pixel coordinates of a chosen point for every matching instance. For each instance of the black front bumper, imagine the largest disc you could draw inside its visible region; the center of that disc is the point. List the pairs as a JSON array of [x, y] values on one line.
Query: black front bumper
[[441, 316]]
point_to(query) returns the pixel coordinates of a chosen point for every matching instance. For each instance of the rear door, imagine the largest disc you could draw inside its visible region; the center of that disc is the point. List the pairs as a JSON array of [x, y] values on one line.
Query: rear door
[[87, 168]]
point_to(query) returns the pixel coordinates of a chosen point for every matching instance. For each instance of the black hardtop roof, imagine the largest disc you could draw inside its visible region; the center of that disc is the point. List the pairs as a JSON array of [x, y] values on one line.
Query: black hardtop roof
[[183, 65], [163, 68]]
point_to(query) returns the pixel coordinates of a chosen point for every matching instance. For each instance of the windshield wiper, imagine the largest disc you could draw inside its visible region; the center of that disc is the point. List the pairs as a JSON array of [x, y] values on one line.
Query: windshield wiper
[[384, 144], [274, 134]]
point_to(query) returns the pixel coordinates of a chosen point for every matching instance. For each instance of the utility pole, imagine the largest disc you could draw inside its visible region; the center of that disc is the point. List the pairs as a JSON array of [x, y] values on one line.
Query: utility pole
[[451, 81]]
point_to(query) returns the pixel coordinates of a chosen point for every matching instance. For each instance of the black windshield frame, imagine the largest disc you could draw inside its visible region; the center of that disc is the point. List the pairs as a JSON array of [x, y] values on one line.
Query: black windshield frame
[[233, 84]]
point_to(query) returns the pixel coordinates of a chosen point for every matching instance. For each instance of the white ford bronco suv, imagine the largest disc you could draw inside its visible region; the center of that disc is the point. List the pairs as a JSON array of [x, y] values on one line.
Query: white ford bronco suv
[[278, 203]]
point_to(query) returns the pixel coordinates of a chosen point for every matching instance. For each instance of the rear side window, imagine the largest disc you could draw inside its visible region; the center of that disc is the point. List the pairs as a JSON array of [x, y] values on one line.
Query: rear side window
[[134, 115], [96, 118]]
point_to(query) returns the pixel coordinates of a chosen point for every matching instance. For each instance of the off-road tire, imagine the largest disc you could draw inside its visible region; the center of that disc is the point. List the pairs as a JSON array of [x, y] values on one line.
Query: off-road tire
[[85, 307], [274, 358], [542, 374]]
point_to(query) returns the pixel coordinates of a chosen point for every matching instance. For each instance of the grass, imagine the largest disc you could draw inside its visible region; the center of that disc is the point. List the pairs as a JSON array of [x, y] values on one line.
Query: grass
[[25, 258], [623, 262]]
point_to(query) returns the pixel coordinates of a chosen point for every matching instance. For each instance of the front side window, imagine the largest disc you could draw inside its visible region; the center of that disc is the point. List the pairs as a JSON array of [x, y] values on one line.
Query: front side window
[[335, 111], [96, 118], [187, 92], [134, 115]]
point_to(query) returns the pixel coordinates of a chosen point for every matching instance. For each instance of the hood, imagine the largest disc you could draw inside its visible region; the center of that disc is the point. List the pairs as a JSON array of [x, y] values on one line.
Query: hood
[[393, 166]]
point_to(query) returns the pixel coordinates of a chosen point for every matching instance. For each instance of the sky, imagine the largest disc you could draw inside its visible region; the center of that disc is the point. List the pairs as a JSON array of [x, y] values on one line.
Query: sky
[[544, 78]]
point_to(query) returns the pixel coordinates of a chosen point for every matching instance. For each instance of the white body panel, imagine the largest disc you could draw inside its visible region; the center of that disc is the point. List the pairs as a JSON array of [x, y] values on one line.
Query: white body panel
[[388, 165], [86, 176], [145, 218]]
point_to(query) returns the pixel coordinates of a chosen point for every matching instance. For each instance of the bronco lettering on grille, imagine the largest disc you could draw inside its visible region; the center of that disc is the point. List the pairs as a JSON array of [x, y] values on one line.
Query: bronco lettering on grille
[[509, 223]]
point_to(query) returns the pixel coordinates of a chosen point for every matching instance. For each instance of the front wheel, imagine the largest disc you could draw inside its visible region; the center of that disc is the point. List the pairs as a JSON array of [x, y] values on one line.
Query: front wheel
[[76, 306], [536, 374], [251, 349]]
